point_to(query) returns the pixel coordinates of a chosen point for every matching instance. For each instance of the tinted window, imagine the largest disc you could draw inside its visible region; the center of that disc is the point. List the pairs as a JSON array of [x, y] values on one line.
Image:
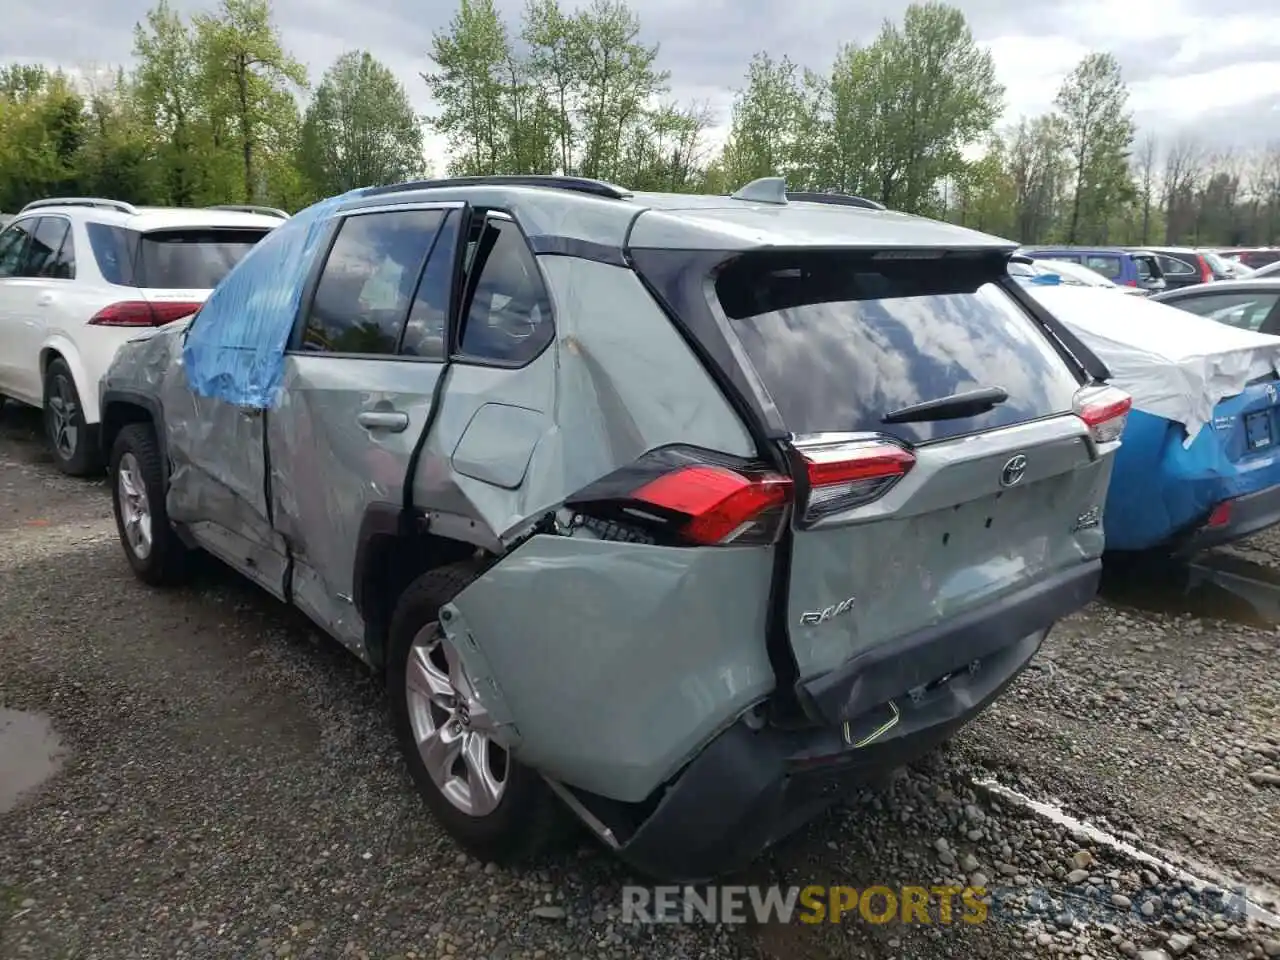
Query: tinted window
[[840, 341], [509, 319], [43, 257], [425, 333], [191, 259], [113, 249], [1246, 310], [362, 299], [1174, 267], [13, 242], [1109, 267]]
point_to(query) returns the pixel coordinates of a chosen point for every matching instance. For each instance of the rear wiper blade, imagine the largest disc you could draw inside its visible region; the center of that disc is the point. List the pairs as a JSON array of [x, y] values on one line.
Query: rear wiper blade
[[970, 403]]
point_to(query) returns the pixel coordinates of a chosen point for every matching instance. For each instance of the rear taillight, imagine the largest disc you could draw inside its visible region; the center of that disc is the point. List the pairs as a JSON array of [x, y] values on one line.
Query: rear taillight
[[1206, 272], [1131, 283], [141, 313], [682, 496], [1105, 410], [1220, 516], [845, 475]]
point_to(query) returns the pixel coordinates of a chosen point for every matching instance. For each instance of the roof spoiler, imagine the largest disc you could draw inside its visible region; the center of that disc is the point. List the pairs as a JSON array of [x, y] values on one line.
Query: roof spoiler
[[251, 208]]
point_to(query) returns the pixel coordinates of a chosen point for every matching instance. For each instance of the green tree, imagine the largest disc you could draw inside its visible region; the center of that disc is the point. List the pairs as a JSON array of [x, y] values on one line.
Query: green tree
[[248, 82], [768, 114], [466, 84], [167, 88], [1093, 103], [360, 128], [1038, 168]]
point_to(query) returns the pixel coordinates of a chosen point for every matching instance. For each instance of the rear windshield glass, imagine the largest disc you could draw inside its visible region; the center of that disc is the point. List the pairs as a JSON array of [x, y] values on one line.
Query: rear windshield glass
[[191, 259], [840, 341]]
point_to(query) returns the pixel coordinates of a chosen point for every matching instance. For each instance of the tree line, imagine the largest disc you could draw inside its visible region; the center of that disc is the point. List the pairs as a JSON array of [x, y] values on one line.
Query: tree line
[[217, 110]]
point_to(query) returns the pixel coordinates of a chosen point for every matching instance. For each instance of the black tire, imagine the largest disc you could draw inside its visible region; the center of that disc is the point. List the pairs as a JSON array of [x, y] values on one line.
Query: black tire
[[73, 444], [528, 820], [169, 560]]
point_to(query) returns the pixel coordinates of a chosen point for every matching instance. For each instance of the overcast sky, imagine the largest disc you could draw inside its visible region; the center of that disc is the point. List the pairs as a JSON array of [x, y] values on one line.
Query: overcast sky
[[1213, 68]]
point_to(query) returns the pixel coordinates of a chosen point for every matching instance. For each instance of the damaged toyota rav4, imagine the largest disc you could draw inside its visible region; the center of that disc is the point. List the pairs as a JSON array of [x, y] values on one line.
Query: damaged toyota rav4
[[682, 512]]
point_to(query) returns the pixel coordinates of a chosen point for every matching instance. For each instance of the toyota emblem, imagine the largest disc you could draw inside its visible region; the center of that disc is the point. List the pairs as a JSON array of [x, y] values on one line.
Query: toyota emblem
[[1013, 471]]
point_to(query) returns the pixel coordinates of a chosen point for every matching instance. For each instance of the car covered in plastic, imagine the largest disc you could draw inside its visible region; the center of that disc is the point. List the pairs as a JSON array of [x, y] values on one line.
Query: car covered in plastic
[[1199, 465]]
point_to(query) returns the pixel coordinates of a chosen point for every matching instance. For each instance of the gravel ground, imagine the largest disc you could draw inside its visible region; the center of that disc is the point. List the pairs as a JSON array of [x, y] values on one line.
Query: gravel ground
[[230, 788]]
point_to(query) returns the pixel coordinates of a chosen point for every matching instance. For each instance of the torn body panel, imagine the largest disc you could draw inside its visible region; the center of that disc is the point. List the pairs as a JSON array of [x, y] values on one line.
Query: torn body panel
[[617, 661], [582, 409]]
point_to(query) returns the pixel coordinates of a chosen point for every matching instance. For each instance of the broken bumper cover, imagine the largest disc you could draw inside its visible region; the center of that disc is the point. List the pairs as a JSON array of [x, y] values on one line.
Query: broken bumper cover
[[751, 787], [1236, 519]]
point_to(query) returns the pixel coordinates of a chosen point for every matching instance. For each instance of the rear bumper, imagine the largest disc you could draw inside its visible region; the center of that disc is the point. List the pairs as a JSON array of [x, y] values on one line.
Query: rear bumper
[[751, 787], [1249, 514]]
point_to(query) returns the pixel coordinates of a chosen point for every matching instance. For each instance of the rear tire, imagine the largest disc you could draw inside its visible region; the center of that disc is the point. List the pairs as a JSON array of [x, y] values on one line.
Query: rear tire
[[73, 443], [151, 546], [507, 818]]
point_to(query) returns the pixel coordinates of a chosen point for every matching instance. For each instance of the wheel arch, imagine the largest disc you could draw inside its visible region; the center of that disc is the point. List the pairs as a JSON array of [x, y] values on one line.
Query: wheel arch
[[59, 347], [123, 407], [390, 555]]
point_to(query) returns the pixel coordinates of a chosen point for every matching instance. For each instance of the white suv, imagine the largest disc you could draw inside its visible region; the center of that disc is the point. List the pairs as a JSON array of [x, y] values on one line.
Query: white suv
[[79, 276]]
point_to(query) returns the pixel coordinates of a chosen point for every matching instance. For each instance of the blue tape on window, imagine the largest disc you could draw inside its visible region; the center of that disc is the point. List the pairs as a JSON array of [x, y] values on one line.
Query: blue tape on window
[[234, 348]]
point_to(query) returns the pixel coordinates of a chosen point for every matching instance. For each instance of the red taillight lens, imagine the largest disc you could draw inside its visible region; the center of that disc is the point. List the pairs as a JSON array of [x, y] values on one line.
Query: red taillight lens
[[846, 475], [1131, 283], [1206, 272], [1221, 515], [1105, 410], [142, 313], [720, 504]]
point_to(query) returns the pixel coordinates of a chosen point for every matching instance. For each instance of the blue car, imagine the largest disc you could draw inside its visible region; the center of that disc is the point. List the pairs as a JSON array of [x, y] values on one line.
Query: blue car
[[1127, 268], [1199, 462]]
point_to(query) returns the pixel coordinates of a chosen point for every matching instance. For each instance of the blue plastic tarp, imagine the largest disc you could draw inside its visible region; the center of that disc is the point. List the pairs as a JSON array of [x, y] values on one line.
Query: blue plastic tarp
[[235, 345], [1160, 488]]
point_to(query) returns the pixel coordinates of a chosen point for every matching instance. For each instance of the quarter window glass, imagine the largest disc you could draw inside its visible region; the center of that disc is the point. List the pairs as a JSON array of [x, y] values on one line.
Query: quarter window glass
[[509, 319], [362, 299], [1109, 267]]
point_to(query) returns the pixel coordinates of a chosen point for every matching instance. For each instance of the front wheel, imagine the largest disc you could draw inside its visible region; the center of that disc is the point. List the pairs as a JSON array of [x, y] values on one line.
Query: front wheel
[[153, 549], [74, 450], [495, 808]]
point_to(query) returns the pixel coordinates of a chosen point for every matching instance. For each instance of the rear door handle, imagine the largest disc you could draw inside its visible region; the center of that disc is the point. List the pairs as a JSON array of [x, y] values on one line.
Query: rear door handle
[[392, 421]]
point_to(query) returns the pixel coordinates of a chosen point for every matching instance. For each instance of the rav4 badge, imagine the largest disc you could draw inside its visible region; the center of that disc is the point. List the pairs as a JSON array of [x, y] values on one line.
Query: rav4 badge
[[830, 613]]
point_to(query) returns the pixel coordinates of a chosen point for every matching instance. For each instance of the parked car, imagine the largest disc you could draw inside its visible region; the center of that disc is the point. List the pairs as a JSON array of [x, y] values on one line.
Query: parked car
[[1128, 268], [78, 277], [690, 554], [1248, 304], [1075, 274], [1270, 270], [1187, 266], [1256, 257], [1200, 461]]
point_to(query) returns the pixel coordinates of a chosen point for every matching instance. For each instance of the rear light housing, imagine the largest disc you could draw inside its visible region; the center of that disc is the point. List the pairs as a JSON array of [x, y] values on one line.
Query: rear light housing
[[1206, 272], [684, 496], [1220, 516], [844, 474], [1104, 410], [143, 313]]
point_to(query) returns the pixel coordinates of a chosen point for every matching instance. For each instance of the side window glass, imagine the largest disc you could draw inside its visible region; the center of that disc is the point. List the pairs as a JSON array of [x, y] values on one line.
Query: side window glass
[[1245, 310], [428, 326], [1109, 267], [113, 251], [1175, 268], [44, 248], [362, 299], [1143, 266], [13, 243], [509, 317]]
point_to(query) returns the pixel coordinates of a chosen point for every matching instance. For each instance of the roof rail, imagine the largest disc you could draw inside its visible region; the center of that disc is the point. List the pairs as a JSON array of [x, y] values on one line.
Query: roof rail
[[118, 205], [840, 199], [596, 188], [251, 208]]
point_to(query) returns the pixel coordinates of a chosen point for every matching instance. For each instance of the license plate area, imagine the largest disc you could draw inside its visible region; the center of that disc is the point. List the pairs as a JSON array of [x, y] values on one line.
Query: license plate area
[[1257, 430]]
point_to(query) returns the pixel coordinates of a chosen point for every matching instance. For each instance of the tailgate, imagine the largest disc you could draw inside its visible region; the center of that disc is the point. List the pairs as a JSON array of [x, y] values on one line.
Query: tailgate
[[972, 521], [947, 452]]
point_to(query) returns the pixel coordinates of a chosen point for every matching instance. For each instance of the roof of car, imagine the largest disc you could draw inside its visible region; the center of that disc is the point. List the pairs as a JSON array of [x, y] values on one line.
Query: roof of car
[[601, 214], [144, 219], [1066, 248], [1242, 285]]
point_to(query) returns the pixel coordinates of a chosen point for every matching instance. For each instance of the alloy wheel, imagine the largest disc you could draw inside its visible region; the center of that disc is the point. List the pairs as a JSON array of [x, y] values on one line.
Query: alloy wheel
[[135, 508], [63, 411], [452, 728]]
